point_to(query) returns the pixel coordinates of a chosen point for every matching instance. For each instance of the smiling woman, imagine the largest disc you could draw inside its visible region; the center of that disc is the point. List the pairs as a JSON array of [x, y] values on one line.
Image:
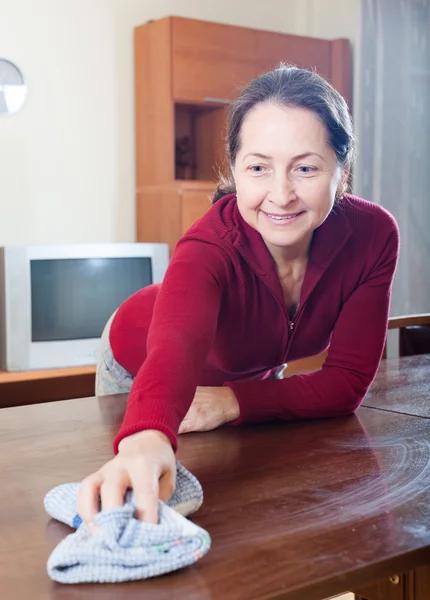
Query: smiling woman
[[286, 191], [283, 266]]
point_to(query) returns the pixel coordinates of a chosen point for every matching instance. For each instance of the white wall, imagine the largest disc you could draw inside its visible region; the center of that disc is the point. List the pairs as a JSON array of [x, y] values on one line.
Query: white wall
[[67, 159], [326, 18]]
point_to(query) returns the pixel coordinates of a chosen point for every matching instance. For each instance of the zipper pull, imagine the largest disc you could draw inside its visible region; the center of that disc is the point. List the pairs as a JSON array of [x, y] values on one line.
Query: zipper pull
[[291, 326]]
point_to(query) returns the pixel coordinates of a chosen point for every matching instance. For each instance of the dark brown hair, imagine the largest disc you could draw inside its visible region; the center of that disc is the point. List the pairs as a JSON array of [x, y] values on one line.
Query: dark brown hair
[[290, 86]]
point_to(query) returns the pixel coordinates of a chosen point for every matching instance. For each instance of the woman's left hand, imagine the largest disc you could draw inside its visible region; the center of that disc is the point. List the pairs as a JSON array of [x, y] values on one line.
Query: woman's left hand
[[211, 408]]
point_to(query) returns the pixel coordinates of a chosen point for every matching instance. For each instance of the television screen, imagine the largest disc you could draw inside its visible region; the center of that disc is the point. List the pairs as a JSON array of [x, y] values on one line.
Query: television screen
[[74, 298]]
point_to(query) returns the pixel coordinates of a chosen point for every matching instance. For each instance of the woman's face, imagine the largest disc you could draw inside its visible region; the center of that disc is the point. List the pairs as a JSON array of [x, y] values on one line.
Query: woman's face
[[286, 175]]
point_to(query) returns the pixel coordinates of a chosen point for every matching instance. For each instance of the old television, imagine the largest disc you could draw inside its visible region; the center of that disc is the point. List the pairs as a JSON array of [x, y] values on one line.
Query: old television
[[56, 299]]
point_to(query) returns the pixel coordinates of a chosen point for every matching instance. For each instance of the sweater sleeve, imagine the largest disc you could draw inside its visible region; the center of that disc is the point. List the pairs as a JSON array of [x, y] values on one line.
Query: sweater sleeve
[[353, 358], [182, 329]]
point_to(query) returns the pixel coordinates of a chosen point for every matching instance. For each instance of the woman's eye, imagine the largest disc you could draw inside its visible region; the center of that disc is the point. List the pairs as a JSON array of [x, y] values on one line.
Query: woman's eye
[[307, 170], [256, 168]]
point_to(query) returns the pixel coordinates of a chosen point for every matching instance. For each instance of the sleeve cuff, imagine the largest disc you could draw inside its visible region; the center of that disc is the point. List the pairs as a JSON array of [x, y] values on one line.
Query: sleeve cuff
[[125, 431], [257, 401]]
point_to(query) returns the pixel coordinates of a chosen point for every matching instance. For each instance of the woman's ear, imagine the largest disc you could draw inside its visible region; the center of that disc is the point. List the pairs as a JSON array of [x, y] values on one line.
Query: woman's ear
[[345, 182]]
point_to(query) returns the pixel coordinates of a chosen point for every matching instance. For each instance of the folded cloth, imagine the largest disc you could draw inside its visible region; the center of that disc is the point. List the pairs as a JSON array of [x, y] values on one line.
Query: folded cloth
[[124, 548], [62, 501]]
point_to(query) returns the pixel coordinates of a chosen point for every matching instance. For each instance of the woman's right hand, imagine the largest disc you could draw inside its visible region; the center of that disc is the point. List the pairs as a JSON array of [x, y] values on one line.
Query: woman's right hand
[[146, 463]]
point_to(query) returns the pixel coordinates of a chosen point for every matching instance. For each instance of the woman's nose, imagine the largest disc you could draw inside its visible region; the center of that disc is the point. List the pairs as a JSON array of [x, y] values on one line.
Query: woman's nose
[[283, 191]]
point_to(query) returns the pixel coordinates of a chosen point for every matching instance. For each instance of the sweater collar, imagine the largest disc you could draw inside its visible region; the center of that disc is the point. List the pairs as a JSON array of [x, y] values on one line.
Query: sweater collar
[[327, 242]]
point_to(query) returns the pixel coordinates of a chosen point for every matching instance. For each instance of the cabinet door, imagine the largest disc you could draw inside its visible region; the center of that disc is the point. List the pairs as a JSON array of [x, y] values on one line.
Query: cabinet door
[[331, 59], [393, 588], [158, 214], [304, 52], [210, 60], [195, 202]]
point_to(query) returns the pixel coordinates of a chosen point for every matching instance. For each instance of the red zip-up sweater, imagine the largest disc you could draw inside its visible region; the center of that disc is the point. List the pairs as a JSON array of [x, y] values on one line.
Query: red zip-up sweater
[[219, 318]]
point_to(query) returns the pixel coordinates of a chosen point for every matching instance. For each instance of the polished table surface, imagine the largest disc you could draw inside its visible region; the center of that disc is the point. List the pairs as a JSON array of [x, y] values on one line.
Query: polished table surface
[[402, 385], [295, 511]]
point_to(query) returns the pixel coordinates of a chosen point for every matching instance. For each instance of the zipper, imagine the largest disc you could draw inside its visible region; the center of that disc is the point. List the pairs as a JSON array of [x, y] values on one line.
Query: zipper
[[291, 326], [292, 321]]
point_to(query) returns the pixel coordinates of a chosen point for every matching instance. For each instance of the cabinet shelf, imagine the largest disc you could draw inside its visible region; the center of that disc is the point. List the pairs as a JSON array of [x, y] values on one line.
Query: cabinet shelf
[[199, 140]]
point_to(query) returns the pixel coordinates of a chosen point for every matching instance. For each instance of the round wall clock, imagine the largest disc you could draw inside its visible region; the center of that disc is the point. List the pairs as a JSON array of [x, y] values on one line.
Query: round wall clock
[[12, 88]]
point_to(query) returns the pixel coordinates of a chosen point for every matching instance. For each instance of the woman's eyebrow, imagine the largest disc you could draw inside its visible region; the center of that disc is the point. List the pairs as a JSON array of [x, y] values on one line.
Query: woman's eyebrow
[[297, 157]]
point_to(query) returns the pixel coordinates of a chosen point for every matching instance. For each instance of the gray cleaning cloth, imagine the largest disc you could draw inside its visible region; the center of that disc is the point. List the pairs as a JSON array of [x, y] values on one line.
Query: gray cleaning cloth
[[124, 548]]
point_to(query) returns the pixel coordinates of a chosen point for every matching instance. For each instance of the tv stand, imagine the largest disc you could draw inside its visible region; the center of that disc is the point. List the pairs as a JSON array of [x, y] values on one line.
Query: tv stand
[[18, 388]]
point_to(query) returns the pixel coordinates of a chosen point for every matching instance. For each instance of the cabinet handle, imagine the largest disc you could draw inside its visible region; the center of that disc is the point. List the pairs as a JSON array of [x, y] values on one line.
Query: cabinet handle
[[217, 100], [394, 579]]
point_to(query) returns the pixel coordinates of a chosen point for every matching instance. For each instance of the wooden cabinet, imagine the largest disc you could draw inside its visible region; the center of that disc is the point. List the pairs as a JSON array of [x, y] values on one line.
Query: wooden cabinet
[[195, 201], [210, 59], [412, 585], [165, 212], [304, 52], [186, 73], [391, 588]]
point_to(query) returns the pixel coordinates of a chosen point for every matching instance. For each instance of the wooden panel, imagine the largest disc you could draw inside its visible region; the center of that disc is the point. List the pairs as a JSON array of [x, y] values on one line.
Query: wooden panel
[[165, 212], [17, 376], [421, 583], [27, 391], [154, 127], [194, 205], [394, 588], [304, 52], [211, 59], [158, 216], [32, 387]]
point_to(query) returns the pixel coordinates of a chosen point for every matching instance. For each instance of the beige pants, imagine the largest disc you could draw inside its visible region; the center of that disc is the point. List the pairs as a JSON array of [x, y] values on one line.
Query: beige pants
[[111, 378]]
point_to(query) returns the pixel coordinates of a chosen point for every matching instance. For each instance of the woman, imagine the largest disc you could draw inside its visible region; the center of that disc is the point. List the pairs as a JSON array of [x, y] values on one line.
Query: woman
[[283, 266]]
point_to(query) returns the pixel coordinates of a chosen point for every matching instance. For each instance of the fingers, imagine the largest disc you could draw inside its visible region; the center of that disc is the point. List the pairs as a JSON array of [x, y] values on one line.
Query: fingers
[[183, 427], [190, 421], [140, 464], [88, 497], [146, 489], [113, 490], [167, 485]]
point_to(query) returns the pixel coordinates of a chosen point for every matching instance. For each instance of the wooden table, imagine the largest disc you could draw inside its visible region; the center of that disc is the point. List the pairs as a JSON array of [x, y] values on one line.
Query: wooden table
[[296, 511], [402, 385]]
